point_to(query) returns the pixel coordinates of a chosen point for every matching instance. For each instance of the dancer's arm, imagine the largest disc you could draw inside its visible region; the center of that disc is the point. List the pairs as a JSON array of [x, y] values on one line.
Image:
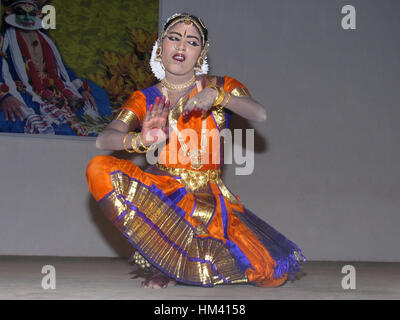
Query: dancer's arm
[[245, 107], [153, 128], [112, 136]]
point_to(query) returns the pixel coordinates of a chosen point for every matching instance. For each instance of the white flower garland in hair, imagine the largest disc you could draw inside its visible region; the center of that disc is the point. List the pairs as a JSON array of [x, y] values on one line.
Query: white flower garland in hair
[[158, 68]]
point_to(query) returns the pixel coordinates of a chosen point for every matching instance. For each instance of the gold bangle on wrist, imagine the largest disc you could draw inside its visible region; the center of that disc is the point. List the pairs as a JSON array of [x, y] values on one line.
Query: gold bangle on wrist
[[124, 143], [220, 97], [141, 142], [226, 102], [147, 148], [134, 144], [150, 147]]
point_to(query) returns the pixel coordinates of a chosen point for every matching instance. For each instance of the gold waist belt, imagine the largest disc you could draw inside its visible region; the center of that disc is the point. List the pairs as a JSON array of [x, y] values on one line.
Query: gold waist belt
[[193, 179]]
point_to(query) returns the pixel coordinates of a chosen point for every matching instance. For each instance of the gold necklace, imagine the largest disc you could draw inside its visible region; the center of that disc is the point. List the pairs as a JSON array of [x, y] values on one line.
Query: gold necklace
[[194, 155], [178, 87]]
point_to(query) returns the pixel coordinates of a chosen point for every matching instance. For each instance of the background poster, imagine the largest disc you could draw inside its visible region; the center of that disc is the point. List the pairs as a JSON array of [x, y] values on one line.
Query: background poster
[[71, 80]]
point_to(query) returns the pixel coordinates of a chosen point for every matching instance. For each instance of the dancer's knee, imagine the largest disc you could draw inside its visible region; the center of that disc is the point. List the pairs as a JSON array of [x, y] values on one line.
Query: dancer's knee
[[98, 176]]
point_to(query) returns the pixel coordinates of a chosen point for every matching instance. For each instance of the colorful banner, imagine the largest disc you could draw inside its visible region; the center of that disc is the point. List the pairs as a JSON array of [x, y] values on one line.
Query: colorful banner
[[66, 67]]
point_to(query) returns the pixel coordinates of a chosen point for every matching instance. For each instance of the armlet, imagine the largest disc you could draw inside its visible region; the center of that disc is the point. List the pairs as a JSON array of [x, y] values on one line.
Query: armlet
[[126, 116], [240, 92]]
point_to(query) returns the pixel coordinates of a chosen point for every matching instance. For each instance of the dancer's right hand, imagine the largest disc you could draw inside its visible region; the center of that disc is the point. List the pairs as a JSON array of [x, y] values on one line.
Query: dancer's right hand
[[11, 107], [154, 127]]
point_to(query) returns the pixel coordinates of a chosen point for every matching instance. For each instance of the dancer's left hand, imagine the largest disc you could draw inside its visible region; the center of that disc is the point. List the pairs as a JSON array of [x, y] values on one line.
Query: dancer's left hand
[[201, 102]]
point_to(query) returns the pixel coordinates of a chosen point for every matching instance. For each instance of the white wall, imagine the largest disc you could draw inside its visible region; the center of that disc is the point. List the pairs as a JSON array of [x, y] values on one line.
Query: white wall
[[327, 167], [327, 159], [45, 206]]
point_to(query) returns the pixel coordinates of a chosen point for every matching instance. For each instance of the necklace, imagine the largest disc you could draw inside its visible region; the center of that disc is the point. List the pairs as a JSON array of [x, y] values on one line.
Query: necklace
[[34, 49], [194, 155], [178, 87]]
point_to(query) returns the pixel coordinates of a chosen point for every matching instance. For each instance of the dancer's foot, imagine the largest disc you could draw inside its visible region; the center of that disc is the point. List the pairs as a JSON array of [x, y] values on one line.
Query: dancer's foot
[[158, 281]]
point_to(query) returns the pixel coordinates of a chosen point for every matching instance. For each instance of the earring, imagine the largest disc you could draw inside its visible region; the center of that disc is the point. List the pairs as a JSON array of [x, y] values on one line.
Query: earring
[[158, 52], [199, 65]]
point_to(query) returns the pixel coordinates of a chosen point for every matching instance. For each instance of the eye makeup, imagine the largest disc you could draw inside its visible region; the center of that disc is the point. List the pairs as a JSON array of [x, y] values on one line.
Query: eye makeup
[[179, 36]]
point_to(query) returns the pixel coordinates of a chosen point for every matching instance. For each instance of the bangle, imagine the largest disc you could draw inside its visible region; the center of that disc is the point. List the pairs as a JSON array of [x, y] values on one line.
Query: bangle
[[134, 144], [147, 148], [220, 96], [124, 143], [226, 102], [141, 142]]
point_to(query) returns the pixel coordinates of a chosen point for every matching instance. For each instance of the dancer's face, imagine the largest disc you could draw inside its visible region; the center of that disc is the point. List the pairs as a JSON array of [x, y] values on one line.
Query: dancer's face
[[181, 49]]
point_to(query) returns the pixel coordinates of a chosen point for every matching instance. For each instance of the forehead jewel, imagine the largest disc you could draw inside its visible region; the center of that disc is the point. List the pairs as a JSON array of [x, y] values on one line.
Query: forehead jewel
[[187, 19]]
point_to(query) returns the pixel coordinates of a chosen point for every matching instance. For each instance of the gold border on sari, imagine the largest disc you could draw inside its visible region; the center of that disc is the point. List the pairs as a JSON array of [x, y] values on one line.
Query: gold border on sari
[[225, 192], [204, 206]]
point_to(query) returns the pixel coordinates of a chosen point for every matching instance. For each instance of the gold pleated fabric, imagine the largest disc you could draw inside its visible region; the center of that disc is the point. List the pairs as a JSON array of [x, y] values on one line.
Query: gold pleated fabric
[[159, 231]]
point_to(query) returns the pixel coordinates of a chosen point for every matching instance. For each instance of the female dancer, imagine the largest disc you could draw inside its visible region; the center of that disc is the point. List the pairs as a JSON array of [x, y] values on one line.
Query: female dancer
[[182, 220]]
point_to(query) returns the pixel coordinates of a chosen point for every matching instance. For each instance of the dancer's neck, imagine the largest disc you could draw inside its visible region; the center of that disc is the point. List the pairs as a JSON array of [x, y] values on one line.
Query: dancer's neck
[[178, 79]]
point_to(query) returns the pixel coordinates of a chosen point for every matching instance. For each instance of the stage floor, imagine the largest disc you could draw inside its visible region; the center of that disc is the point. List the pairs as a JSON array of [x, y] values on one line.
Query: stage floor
[[110, 278]]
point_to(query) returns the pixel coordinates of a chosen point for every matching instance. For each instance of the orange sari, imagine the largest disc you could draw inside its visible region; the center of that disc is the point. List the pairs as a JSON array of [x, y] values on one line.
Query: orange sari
[[200, 235]]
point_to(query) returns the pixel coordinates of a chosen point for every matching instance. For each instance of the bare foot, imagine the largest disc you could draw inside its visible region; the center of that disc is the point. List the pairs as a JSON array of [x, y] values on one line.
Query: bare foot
[[158, 281]]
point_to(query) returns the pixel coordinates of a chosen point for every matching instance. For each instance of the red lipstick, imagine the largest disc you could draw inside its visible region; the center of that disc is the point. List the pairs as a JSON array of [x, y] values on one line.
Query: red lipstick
[[179, 57]]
